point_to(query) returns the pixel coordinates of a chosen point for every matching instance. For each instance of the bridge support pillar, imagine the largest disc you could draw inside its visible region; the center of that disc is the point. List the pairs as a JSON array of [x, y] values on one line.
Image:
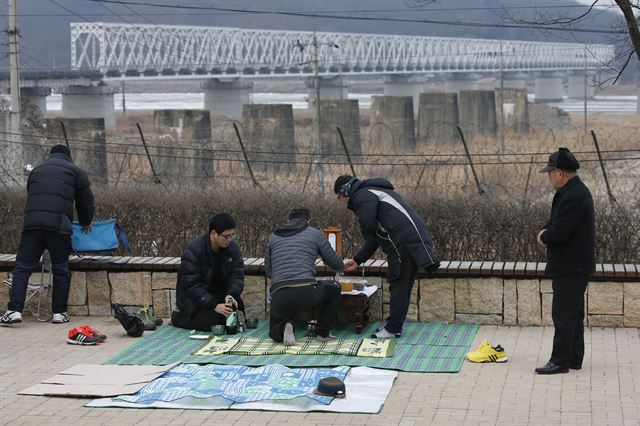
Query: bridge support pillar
[[404, 85], [462, 81], [576, 85], [34, 102], [512, 80], [332, 88], [89, 102], [549, 87], [226, 97]]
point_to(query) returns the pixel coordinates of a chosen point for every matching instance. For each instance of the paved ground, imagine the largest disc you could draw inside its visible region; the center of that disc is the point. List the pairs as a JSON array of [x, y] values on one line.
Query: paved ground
[[605, 392]]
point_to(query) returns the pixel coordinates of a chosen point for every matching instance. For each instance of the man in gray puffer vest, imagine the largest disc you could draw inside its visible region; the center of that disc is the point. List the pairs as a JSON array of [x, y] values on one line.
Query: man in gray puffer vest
[[289, 261]]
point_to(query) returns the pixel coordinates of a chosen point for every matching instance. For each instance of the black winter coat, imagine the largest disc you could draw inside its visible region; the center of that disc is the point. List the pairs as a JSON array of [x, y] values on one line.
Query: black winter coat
[[389, 222], [570, 234], [52, 188], [195, 288]]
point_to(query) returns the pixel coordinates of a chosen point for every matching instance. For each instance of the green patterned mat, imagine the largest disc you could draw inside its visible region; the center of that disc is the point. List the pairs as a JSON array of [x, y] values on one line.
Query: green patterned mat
[[423, 347]]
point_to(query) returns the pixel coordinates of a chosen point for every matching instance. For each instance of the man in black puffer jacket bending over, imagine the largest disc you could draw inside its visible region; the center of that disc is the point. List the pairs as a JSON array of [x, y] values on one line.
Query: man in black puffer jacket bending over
[[289, 261], [211, 277], [52, 187]]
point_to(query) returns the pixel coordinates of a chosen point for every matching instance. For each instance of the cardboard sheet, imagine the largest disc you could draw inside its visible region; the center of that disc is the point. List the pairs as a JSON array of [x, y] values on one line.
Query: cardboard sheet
[[98, 380]]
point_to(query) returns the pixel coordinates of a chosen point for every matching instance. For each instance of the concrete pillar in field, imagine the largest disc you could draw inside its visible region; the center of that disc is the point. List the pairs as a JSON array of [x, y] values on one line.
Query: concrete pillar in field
[[477, 111], [512, 80], [346, 115], [576, 83], [226, 97], [34, 102], [404, 85], [549, 87], [515, 110], [269, 129], [89, 102], [87, 142], [181, 151], [437, 117], [391, 122], [330, 88], [462, 81]]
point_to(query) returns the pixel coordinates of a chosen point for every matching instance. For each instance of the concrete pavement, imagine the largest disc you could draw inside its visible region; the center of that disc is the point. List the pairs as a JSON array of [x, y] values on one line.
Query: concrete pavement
[[605, 392]]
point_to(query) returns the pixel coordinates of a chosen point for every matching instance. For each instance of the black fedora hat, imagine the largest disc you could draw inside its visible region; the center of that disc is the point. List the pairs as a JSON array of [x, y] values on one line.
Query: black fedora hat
[[331, 386]]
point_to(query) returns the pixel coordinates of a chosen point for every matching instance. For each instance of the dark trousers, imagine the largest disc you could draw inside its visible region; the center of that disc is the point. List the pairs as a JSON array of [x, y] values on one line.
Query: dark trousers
[[203, 319], [400, 294], [285, 302], [567, 312], [32, 245]]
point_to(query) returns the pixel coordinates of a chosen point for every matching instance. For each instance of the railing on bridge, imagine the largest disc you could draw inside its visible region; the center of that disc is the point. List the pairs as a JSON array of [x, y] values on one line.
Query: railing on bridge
[[123, 50]]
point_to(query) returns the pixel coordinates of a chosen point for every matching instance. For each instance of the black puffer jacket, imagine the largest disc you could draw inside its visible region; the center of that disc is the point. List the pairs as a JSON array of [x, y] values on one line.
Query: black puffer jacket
[[570, 234], [389, 222], [195, 288], [52, 188]]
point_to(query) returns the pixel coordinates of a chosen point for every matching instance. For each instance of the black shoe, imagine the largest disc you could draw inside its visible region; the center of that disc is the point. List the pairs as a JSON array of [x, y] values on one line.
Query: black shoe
[[576, 366], [551, 368]]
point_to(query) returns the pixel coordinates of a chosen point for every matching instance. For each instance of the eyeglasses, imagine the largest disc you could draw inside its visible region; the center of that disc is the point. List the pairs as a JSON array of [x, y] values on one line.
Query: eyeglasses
[[228, 237]]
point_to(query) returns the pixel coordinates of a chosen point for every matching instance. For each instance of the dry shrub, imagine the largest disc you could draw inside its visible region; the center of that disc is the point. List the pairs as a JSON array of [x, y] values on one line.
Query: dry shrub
[[463, 228]]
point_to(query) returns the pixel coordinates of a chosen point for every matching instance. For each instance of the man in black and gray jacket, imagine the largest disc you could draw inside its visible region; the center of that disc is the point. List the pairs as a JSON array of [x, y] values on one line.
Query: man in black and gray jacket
[[52, 188], [389, 222], [289, 261]]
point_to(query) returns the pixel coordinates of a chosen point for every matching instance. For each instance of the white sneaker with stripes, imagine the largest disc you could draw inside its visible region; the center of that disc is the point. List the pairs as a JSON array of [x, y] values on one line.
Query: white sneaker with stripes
[[60, 318]]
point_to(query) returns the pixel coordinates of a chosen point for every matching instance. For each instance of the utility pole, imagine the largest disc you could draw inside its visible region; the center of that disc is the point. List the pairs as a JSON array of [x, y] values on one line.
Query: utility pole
[[585, 90], [124, 102], [502, 147], [15, 160], [316, 78]]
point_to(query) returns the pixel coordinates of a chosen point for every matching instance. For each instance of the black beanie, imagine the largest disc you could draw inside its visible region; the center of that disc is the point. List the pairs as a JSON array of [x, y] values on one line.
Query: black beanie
[[61, 149], [301, 212]]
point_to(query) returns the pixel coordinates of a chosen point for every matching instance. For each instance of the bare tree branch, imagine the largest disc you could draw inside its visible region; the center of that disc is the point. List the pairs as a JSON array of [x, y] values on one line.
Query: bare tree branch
[[632, 23]]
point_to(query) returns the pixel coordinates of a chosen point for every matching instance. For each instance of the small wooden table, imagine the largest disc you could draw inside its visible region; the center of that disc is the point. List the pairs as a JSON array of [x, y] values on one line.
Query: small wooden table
[[358, 306]]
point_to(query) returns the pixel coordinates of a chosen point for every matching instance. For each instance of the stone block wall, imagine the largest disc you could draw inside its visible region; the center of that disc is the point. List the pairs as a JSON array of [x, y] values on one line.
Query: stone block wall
[[486, 300]]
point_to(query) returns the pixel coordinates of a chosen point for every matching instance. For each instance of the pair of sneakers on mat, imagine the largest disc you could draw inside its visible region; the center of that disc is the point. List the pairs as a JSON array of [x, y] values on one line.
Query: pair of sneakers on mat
[[289, 337]]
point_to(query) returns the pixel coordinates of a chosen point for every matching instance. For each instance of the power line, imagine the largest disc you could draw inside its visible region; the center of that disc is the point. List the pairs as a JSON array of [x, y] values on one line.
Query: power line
[[363, 18], [467, 8]]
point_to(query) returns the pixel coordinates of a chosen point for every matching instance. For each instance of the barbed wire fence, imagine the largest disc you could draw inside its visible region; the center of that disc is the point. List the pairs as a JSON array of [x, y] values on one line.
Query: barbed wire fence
[[164, 188]]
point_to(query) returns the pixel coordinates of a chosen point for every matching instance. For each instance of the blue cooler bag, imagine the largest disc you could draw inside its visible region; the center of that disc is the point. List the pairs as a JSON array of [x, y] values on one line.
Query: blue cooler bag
[[102, 238]]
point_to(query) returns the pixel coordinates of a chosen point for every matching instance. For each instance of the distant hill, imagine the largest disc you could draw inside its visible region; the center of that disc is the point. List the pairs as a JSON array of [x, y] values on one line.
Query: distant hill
[[45, 33]]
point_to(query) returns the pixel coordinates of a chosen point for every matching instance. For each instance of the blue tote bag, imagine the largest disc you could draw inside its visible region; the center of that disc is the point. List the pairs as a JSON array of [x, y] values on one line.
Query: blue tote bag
[[102, 238]]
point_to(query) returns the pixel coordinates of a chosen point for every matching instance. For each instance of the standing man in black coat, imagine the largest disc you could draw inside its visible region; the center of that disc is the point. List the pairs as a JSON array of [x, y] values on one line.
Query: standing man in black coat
[[389, 222], [569, 238], [52, 188], [211, 277]]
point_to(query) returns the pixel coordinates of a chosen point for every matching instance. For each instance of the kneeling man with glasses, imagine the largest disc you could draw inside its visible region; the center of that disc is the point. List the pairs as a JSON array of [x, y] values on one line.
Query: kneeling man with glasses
[[211, 277]]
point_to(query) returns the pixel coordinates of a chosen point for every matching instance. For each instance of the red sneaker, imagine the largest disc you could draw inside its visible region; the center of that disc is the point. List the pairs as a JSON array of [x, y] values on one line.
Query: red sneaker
[[95, 333], [78, 336]]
